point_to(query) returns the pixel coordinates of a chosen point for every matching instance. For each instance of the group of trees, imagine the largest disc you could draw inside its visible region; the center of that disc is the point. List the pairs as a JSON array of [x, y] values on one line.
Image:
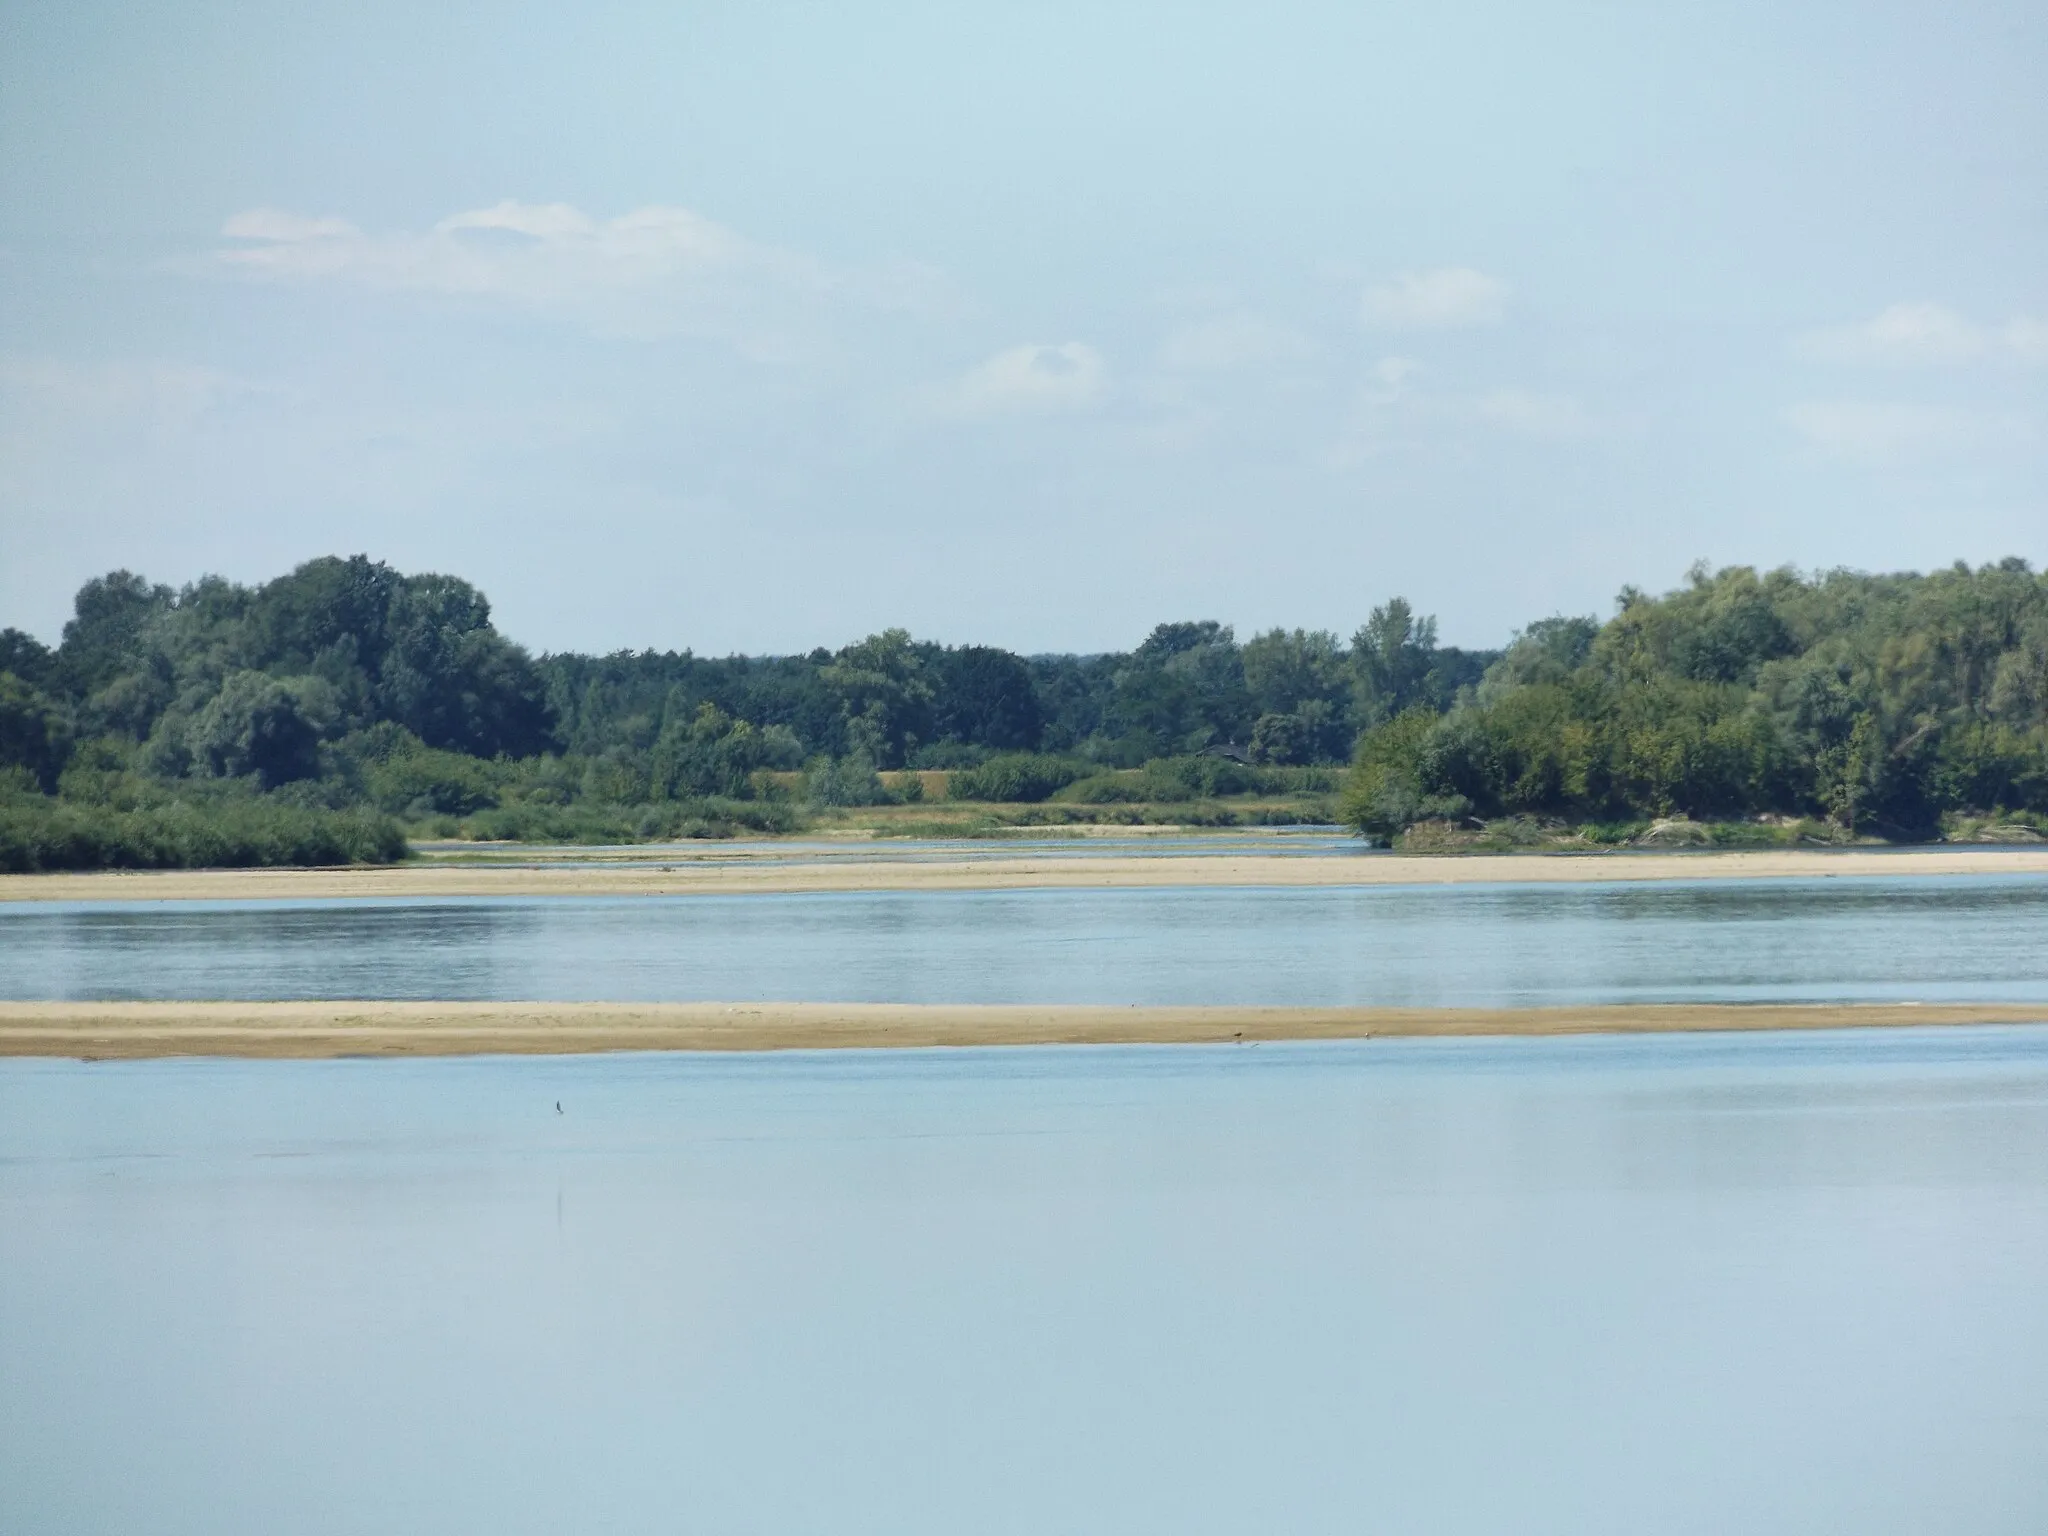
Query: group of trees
[[1876, 702], [346, 683], [227, 681], [1283, 697]]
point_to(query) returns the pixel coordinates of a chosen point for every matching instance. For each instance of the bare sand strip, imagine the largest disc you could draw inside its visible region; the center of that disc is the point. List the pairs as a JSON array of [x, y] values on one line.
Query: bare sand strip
[[101, 1031], [1038, 870]]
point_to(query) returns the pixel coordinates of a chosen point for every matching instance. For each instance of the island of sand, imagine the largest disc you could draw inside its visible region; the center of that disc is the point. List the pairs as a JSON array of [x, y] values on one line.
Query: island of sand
[[765, 869], [130, 1030]]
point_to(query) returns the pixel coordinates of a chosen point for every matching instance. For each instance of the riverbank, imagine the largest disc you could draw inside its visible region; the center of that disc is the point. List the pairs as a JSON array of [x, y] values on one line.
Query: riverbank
[[783, 874], [135, 1031]]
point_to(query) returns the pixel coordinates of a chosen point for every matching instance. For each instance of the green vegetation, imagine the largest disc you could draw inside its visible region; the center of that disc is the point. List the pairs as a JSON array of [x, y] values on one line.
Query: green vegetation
[[39, 832], [324, 716], [1816, 709]]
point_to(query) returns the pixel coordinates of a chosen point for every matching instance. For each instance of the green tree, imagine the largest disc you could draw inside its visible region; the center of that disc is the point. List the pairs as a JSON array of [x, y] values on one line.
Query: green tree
[[1391, 655], [885, 696], [259, 725], [983, 697], [1387, 790], [107, 634], [35, 735]]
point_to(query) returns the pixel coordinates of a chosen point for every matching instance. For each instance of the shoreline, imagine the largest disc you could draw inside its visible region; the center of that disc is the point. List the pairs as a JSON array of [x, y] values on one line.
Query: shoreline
[[679, 875], [129, 1031]]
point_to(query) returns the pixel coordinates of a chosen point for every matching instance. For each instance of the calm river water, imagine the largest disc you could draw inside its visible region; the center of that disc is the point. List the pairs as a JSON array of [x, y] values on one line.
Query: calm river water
[[1684, 1285], [1913, 938]]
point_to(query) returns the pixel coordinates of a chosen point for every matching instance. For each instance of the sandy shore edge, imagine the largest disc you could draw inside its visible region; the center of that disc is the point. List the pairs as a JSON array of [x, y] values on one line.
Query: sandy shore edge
[[130, 1031], [700, 876]]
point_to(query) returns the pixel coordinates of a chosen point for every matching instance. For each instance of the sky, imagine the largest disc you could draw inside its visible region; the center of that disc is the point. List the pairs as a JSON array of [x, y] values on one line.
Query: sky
[[761, 327]]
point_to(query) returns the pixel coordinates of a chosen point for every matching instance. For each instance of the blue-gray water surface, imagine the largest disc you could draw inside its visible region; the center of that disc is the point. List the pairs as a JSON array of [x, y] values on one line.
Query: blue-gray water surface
[[1921, 938], [1776, 1284]]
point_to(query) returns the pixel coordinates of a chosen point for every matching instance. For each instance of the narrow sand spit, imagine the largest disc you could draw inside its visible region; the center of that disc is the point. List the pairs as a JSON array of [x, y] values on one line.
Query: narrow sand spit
[[685, 877], [97, 1031]]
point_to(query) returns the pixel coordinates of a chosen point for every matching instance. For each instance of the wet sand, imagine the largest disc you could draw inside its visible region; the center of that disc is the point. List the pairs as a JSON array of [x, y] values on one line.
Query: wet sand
[[683, 876], [130, 1031]]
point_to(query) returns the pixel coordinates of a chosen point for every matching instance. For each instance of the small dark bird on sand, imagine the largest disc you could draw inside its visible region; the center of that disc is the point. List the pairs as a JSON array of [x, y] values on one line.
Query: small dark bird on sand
[[558, 1106]]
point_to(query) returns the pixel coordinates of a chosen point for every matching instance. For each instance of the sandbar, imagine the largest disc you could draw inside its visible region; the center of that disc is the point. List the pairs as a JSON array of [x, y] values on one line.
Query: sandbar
[[687, 876], [138, 1030]]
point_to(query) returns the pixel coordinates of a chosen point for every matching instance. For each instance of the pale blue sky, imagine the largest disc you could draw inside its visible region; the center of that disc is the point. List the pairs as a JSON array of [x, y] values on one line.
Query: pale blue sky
[[761, 327]]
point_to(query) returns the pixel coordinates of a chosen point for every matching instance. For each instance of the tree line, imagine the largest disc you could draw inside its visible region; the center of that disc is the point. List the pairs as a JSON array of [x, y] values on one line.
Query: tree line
[[346, 659], [1877, 702]]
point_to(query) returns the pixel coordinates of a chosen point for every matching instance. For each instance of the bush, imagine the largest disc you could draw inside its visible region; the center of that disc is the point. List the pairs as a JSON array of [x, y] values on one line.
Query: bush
[[1384, 795], [851, 780], [428, 781], [948, 754], [42, 834], [1015, 778], [1117, 787], [1190, 778], [711, 817]]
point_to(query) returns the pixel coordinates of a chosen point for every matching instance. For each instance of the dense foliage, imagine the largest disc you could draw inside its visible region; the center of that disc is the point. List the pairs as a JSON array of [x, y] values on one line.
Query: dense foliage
[[1881, 703], [39, 832], [297, 718]]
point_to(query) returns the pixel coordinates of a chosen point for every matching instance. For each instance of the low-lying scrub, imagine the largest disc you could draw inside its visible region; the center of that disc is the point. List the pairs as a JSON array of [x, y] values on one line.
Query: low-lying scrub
[[711, 817], [1168, 780], [38, 833], [1015, 778], [1521, 834]]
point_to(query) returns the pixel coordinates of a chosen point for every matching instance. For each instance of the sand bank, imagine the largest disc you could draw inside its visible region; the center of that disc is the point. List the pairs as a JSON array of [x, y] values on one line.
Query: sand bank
[[1036, 870], [97, 1031]]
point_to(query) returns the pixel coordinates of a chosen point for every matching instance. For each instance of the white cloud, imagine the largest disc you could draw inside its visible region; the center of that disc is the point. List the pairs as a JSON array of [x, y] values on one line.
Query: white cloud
[[276, 224], [2027, 340], [1443, 298], [1525, 414], [1232, 341], [1876, 433], [1904, 334], [1925, 334], [655, 270], [1031, 379]]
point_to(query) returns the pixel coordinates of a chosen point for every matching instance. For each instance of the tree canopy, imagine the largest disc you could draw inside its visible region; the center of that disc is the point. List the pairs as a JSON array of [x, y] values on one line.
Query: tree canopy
[[1879, 701]]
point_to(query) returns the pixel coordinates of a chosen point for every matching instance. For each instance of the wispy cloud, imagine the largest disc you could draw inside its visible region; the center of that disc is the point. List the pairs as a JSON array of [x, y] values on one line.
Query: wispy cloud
[[1443, 298], [1925, 335], [1033, 379], [653, 271], [2027, 340], [1232, 341], [1878, 433], [1526, 414]]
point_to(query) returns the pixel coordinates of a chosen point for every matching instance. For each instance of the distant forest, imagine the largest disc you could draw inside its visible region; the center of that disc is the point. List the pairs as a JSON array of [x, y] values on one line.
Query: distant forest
[[1882, 703]]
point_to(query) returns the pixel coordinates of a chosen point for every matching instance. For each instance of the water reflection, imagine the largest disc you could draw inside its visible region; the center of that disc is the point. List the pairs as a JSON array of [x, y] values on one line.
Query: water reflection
[[1865, 939]]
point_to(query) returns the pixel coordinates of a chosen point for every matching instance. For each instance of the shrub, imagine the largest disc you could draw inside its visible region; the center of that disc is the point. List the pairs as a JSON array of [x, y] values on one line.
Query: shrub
[[41, 834], [1384, 795], [851, 780], [428, 780], [711, 817], [1015, 777], [1189, 778], [1117, 787]]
